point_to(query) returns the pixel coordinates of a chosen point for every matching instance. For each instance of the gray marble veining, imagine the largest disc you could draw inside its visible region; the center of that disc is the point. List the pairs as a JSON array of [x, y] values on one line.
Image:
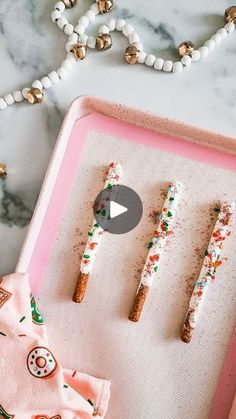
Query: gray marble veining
[[31, 45]]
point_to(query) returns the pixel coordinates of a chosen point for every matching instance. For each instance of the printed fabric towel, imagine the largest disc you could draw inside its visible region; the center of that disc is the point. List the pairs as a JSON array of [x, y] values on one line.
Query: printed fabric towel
[[33, 384]]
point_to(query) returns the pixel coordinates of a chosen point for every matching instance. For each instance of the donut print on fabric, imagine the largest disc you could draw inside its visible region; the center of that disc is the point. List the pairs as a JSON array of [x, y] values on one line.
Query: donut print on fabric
[[41, 362], [4, 414], [36, 315]]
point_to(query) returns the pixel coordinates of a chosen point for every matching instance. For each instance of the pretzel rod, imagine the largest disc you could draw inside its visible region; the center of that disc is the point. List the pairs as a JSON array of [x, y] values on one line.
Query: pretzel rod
[[113, 177], [210, 264], [156, 246]]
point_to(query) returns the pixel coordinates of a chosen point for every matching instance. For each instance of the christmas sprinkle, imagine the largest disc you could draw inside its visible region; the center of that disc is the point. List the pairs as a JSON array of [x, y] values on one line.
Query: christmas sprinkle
[[156, 246], [22, 319], [212, 261], [163, 231], [113, 174]]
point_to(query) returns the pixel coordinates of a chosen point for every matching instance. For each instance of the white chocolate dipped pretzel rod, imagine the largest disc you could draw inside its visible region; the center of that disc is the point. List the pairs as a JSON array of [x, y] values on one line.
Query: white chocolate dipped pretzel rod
[[211, 262], [113, 177], [156, 246]]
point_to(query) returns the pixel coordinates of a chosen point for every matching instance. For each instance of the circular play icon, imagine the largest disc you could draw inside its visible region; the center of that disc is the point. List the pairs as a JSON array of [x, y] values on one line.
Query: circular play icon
[[118, 209]]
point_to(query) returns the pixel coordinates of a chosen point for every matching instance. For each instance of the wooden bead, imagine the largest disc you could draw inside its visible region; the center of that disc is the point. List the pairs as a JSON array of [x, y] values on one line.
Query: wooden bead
[[9, 99], [55, 15], [103, 29], [53, 76], [210, 44], [120, 23], [150, 60], [186, 60], [138, 45], [230, 27], [37, 84], [127, 30], [60, 5], [168, 66], [79, 51], [159, 63], [69, 3], [223, 32], [204, 51], [34, 96], [91, 43], [25, 92], [185, 48], [3, 170], [103, 41], [62, 73], [3, 104], [68, 29], [18, 97], [230, 14], [62, 22], [46, 82], [131, 55], [90, 15], [105, 6], [83, 39], [177, 67], [196, 55], [142, 57], [111, 25]]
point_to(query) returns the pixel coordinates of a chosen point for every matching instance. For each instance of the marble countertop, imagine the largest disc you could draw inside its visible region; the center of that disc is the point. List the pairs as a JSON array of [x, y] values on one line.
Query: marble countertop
[[31, 45]]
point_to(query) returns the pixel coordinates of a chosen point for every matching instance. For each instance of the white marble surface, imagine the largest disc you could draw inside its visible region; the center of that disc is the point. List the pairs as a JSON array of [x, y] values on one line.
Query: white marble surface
[[31, 45]]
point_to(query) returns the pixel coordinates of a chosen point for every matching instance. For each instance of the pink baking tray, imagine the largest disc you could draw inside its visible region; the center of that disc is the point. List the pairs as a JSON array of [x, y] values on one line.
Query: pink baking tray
[[139, 127]]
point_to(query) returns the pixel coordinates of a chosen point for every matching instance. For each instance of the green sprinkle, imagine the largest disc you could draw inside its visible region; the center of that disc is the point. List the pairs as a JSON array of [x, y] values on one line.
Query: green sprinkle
[[90, 234], [22, 319], [149, 245], [169, 214], [103, 212], [96, 225], [156, 268], [65, 386], [3, 334], [109, 186], [98, 212], [86, 257], [171, 198]]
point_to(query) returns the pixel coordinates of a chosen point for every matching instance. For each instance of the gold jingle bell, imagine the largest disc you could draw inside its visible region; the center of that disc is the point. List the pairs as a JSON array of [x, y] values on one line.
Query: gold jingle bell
[[103, 41], [105, 6], [185, 48], [230, 14], [34, 96], [3, 170], [79, 51], [131, 55], [69, 3]]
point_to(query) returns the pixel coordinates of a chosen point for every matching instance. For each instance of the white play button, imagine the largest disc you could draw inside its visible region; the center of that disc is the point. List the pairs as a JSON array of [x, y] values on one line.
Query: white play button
[[116, 209]]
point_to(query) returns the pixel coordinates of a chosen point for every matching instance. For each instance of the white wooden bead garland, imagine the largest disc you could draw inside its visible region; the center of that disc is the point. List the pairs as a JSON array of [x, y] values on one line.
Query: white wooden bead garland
[[78, 36]]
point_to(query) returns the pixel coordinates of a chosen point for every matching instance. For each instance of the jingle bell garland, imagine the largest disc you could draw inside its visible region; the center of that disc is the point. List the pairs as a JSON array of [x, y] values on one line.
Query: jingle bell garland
[[79, 42]]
